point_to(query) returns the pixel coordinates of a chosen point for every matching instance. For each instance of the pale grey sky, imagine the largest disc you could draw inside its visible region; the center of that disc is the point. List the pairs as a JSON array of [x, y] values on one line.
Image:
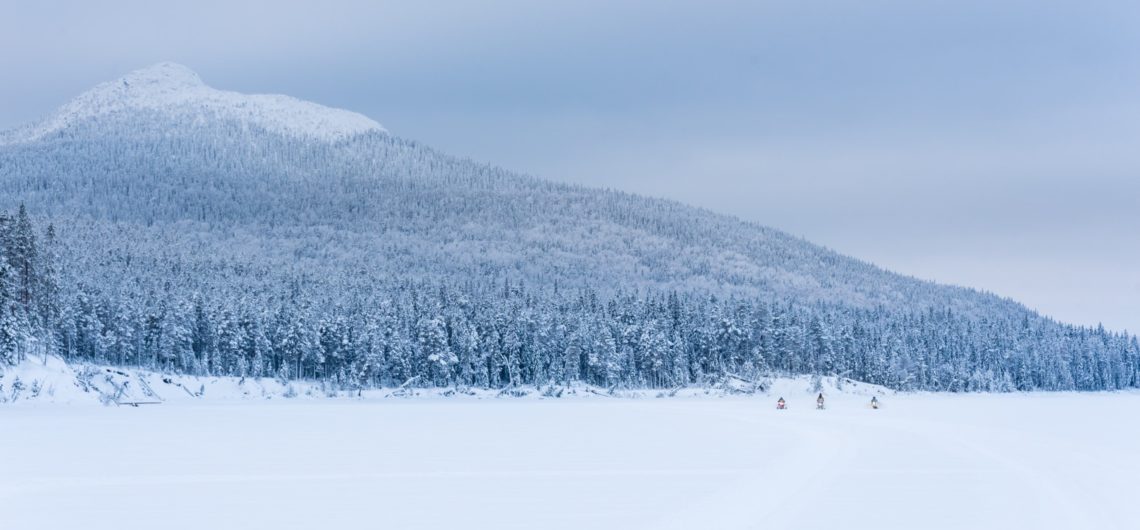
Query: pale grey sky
[[980, 143]]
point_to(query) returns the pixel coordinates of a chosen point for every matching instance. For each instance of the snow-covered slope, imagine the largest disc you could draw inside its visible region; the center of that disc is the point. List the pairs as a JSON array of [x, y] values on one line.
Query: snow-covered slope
[[157, 149], [177, 90]]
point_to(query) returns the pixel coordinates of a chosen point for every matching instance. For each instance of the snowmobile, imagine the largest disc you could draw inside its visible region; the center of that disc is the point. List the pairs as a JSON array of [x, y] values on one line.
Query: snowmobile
[[780, 405], [819, 402], [874, 402]]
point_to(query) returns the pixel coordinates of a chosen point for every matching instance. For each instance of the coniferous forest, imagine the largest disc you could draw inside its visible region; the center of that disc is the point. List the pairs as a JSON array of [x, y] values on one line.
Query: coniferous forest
[[502, 334], [181, 239]]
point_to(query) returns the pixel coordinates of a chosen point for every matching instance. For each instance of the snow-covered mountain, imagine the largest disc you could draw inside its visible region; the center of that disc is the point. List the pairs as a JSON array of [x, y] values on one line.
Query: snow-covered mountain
[[178, 92], [197, 227], [158, 149]]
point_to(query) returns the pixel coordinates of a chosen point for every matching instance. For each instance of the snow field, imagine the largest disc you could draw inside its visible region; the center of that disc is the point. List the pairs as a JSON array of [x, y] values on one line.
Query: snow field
[[923, 461]]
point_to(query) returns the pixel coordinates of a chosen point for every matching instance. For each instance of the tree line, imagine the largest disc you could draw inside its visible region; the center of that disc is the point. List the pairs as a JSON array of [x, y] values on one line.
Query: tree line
[[497, 333]]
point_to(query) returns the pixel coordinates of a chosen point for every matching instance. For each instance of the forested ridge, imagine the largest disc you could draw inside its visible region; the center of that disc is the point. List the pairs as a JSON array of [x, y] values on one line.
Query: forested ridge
[[501, 334], [182, 239]]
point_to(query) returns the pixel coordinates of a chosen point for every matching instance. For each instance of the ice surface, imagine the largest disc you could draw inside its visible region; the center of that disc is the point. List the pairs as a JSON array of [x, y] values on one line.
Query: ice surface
[[923, 461]]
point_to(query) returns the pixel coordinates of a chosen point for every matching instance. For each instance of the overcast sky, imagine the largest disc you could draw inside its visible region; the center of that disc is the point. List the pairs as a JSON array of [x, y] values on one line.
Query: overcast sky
[[989, 144]]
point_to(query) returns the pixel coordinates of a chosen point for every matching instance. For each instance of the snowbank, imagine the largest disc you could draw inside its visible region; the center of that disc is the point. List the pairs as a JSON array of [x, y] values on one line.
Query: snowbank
[[51, 380]]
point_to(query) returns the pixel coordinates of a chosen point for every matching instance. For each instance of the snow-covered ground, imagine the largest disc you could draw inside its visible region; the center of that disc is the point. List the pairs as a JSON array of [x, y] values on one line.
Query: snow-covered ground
[[39, 380], [922, 461]]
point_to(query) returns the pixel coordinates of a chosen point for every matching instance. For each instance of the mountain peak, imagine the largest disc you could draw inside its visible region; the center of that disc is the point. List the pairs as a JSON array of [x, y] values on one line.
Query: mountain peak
[[149, 87], [178, 92], [160, 76]]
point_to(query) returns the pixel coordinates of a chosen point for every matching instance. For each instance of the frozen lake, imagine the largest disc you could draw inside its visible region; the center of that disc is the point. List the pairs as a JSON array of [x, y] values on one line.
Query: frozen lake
[[924, 461]]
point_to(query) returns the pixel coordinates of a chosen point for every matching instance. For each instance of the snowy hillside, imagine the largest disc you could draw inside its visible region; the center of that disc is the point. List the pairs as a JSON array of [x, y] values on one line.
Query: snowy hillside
[[178, 92], [161, 159], [217, 234]]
